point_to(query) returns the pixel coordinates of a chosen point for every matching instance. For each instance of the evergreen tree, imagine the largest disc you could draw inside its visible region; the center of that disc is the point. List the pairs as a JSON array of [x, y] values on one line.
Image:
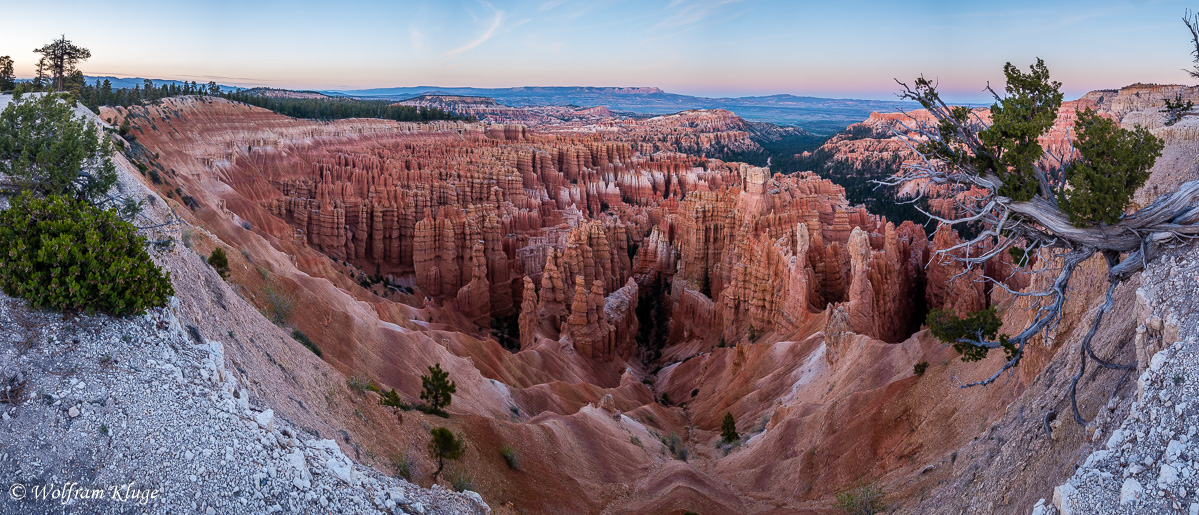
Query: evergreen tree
[[728, 429], [50, 151], [443, 446], [436, 388], [60, 58], [7, 79], [39, 77], [1114, 163], [106, 93], [74, 84], [1026, 201]]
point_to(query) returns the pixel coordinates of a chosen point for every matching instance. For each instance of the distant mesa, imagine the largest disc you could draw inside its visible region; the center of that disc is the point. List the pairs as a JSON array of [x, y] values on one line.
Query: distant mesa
[[288, 94], [819, 115]]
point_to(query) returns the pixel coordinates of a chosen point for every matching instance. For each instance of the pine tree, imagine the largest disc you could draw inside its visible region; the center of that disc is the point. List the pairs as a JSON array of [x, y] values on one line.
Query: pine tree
[[7, 79], [437, 390], [59, 59], [1064, 209], [443, 446], [728, 429], [39, 78]]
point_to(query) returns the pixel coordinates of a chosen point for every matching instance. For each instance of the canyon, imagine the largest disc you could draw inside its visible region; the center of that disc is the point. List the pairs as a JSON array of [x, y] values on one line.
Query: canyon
[[603, 290]]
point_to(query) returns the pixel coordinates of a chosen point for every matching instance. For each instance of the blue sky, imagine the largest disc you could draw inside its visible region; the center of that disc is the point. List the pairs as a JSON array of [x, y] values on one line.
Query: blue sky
[[703, 47]]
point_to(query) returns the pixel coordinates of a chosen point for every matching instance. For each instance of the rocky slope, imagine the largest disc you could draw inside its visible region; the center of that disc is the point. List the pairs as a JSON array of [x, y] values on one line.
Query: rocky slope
[[603, 297], [1016, 461], [166, 412], [147, 415], [1146, 464]]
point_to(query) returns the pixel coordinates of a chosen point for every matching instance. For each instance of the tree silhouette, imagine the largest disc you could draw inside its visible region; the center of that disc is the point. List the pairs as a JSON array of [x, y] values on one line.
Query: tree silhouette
[[60, 58], [7, 79]]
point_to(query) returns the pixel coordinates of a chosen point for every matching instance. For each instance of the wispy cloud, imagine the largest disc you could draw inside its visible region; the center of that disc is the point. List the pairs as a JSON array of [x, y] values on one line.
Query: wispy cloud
[[688, 12], [496, 22], [550, 4], [1079, 18]]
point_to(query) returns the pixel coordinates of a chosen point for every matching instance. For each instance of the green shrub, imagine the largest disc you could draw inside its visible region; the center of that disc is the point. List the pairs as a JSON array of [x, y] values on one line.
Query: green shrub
[[979, 325], [219, 261], [278, 303], [362, 384], [676, 446], [864, 499], [405, 467], [393, 400], [1114, 163], [443, 445], [460, 481], [1176, 109], [510, 457], [920, 367], [65, 254], [299, 336]]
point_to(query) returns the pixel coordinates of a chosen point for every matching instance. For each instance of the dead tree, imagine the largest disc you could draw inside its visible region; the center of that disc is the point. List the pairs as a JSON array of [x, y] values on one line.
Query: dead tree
[[1034, 201]]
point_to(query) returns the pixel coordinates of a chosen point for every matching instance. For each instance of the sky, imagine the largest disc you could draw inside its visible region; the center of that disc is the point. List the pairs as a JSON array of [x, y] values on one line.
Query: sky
[[832, 48]]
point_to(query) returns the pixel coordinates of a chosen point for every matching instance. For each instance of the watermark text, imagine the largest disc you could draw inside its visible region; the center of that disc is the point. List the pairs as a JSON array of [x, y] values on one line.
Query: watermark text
[[66, 493]]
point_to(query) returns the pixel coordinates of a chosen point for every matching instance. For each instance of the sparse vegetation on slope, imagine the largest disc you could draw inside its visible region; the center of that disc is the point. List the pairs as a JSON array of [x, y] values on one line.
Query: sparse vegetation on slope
[[864, 499], [510, 456], [304, 340]]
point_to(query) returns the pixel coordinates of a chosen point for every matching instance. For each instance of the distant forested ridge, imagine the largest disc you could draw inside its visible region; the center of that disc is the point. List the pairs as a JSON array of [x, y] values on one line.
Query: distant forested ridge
[[316, 107], [335, 108], [857, 177]]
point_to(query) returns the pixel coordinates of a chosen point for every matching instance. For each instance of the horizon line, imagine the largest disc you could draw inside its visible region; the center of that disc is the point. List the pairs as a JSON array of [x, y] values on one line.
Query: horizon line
[[957, 98]]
